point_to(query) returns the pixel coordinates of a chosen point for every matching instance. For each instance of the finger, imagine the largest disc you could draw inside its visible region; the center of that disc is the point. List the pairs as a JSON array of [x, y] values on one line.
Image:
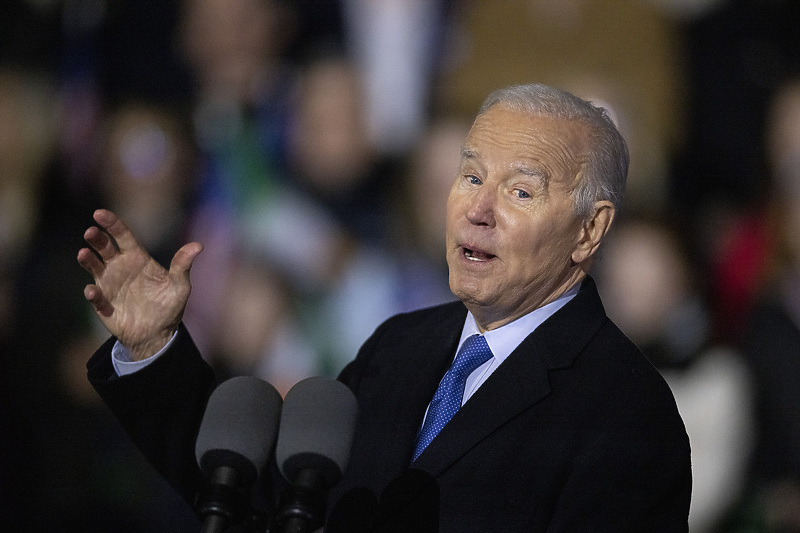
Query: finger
[[117, 229], [100, 242], [98, 300], [90, 262], [183, 258]]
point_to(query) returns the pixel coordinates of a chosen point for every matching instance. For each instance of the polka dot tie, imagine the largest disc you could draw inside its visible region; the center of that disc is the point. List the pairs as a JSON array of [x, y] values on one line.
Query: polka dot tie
[[447, 400]]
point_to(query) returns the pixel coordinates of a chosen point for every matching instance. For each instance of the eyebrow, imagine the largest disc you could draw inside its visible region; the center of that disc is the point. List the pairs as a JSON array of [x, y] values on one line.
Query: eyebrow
[[466, 153], [528, 171], [520, 167]]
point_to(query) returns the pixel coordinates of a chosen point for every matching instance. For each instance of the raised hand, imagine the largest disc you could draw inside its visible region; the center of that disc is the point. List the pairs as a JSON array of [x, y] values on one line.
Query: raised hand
[[138, 301]]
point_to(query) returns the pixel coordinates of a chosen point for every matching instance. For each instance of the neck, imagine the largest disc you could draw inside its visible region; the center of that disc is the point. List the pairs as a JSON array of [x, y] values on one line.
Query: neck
[[488, 318]]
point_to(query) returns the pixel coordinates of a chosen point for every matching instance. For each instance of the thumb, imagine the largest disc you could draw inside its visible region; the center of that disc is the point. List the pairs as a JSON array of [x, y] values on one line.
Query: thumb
[[183, 258]]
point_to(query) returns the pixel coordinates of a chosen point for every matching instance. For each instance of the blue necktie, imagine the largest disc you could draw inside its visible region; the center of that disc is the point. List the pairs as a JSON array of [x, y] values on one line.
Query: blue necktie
[[447, 400]]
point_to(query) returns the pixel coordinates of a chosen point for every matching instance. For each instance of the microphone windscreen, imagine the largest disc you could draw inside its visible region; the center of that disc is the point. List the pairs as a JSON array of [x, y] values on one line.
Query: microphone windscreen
[[317, 424], [239, 426]]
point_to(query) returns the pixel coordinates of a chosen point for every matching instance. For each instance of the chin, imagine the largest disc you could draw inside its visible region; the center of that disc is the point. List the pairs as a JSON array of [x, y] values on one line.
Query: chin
[[471, 293]]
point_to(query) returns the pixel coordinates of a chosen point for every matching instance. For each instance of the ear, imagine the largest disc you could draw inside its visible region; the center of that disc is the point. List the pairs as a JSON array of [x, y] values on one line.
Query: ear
[[593, 229]]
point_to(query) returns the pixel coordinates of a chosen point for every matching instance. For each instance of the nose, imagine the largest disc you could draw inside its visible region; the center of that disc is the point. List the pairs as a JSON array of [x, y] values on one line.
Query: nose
[[481, 207]]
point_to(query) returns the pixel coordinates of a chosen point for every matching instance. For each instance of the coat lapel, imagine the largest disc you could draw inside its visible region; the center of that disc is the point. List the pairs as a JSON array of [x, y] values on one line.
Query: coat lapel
[[412, 370]]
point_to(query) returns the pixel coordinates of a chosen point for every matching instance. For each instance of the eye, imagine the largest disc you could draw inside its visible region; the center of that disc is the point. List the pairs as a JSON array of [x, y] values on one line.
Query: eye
[[474, 180], [522, 194]]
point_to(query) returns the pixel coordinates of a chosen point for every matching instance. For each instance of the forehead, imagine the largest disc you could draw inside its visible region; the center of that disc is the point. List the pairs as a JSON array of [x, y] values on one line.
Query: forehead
[[505, 132]]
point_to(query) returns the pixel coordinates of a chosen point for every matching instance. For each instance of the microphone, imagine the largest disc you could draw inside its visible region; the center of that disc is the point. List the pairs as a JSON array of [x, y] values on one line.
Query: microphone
[[236, 437], [317, 424]]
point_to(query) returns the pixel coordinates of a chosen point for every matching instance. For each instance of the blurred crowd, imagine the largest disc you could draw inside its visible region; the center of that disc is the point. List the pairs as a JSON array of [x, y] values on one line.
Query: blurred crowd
[[310, 146]]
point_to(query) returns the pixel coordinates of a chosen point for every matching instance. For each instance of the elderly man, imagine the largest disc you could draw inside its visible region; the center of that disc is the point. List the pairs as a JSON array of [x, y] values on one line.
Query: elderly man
[[525, 403]]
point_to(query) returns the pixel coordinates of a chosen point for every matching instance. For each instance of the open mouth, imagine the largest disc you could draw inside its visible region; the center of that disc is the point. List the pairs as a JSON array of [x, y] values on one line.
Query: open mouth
[[477, 255]]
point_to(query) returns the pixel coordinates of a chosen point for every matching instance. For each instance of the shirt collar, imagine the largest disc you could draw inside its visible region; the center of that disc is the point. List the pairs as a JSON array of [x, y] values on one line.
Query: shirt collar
[[505, 339]]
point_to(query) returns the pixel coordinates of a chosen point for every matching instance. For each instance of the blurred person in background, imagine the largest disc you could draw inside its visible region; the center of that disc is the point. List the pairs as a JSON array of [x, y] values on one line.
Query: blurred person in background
[[330, 156], [418, 228], [427, 178], [27, 149], [772, 339], [258, 332], [651, 290], [735, 55], [148, 171], [401, 48]]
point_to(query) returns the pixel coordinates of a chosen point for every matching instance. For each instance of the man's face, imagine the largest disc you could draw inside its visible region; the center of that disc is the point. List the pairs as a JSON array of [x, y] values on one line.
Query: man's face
[[511, 221]]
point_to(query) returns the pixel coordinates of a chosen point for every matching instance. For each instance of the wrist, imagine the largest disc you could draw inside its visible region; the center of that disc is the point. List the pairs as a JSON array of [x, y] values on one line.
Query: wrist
[[150, 347]]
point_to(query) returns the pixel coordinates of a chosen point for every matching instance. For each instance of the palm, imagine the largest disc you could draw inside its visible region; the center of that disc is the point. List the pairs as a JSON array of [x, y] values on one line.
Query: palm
[[138, 301], [142, 295]]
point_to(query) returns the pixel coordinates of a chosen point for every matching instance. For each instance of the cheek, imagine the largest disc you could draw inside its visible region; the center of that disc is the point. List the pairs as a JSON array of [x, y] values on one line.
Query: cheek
[[541, 247]]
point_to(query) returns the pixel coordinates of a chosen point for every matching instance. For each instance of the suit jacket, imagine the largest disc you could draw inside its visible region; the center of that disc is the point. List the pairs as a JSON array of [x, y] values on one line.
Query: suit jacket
[[575, 431]]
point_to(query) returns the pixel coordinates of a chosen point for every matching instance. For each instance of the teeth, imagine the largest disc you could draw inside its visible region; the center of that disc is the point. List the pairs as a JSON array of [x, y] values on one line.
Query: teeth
[[470, 255]]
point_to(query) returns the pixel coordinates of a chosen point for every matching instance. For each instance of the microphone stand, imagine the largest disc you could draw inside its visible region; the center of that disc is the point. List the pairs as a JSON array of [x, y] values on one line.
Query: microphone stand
[[301, 508], [225, 504], [222, 503]]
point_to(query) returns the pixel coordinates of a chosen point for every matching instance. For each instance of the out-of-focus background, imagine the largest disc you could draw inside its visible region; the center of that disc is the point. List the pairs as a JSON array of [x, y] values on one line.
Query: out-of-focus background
[[310, 145]]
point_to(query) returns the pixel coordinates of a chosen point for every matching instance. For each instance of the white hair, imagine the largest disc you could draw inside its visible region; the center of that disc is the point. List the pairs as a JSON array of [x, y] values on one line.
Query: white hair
[[607, 167]]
